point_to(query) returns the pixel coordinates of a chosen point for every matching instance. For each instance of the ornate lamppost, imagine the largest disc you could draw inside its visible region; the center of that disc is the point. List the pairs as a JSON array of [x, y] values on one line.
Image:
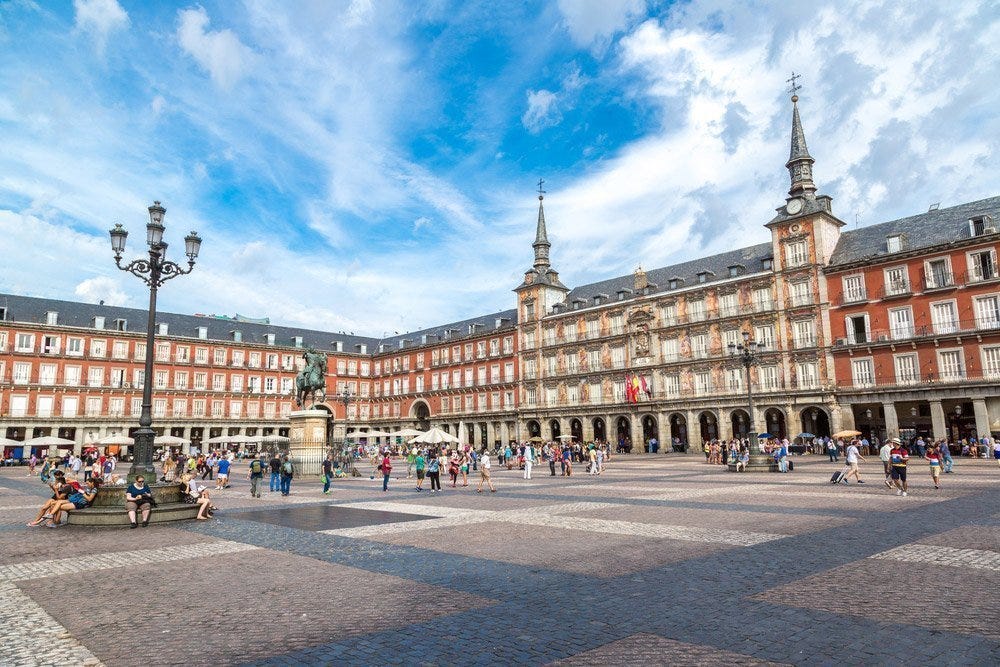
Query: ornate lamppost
[[345, 397], [154, 272], [747, 352]]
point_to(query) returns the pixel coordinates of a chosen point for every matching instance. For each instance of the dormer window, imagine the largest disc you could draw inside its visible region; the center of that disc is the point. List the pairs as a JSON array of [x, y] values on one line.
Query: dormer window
[[121, 324], [735, 271], [297, 341], [203, 333], [893, 243], [163, 328], [98, 322], [237, 336], [269, 338], [767, 264], [981, 225], [674, 282], [51, 318]]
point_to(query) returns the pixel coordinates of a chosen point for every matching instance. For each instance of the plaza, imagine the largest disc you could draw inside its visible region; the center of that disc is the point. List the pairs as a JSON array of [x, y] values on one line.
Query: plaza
[[660, 560]]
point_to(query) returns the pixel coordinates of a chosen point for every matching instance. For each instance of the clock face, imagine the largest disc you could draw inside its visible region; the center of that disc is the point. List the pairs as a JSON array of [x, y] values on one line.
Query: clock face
[[793, 206]]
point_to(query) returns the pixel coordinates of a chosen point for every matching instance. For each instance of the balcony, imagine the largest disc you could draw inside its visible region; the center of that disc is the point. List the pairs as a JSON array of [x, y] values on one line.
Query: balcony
[[949, 328], [853, 296], [896, 290], [800, 300], [981, 275], [941, 280]]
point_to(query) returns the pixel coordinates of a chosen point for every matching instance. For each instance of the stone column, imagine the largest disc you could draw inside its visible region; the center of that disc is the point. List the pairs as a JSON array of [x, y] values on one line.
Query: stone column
[[693, 430], [491, 434], [982, 417], [842, 418], [891, 420], [588, 427], [725, 425], [793, 422], [939, 428], [635, 432], [504, 432]]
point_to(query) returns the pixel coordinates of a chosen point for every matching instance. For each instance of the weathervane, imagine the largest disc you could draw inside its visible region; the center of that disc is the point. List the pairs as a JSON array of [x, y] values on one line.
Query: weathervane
[[541, 192], [794, 87]]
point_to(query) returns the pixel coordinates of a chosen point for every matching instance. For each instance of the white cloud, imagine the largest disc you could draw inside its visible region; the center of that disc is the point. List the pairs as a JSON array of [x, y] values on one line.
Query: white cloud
[[420, 223], [219, 52], [542, 111], [595, 21], [102, 289], [100, 18]]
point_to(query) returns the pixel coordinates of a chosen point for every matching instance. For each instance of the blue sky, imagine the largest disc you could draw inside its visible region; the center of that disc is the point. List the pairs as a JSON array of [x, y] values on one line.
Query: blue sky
[[370, 165]]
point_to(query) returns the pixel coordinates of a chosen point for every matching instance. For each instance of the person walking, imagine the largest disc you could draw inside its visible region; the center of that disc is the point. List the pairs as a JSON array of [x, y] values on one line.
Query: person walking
[[832, 451], [222, 477], [853, 456], [327, 473], [255, 474], [996, 450], [434, 471], [884, 454], [550, 457], [933, 456], [411, 459], [484, 472], [275, 465], [385, 468], [898, 458], [946, 460], [287, 472]]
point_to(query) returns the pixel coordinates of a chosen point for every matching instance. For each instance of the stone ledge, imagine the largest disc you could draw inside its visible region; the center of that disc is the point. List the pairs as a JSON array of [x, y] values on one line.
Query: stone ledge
[[118, 516]]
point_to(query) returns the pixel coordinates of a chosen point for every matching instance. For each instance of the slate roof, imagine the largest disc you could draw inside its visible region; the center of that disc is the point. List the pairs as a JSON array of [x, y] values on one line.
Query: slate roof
[[926, 230], [76, 314], [504, 319], [750, 258]]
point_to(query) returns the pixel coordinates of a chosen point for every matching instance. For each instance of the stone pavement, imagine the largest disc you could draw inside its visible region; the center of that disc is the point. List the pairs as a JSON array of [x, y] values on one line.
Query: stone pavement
[[660, 560]]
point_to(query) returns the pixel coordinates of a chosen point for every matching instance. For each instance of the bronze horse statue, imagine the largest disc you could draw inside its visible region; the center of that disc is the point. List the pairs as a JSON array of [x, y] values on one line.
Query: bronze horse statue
[[311, 380]]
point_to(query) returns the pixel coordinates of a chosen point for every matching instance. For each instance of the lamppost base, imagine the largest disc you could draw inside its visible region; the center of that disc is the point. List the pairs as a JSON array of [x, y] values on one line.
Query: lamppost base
[[757, 463]]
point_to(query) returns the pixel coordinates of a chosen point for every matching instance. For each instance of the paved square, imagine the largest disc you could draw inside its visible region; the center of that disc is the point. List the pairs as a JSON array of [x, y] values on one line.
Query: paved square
[[661, 560]]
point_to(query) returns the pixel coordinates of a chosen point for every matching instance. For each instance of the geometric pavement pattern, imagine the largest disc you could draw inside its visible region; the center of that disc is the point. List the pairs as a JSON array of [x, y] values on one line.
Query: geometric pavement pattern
[[660, 560]]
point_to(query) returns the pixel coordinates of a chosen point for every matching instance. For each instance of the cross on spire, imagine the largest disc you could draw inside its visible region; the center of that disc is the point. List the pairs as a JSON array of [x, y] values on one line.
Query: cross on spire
[[794, 87], [541, 192]]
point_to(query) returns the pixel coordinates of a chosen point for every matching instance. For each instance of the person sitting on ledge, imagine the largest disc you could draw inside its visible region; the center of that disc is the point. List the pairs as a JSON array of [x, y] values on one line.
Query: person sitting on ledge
[[198, 495], [75, 501], [61, 490], [138, 496], [741, 464]]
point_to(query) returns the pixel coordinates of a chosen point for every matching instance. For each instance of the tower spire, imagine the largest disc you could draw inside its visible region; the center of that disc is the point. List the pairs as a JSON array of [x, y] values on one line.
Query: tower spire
[[541, 244], [799, 163]]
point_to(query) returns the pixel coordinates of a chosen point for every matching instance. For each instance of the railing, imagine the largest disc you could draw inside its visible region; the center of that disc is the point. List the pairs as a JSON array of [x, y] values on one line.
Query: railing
[[951, 328], [895, 290], [981, 276], [963, 376], [800, 300], [939, 281], [852, 296]]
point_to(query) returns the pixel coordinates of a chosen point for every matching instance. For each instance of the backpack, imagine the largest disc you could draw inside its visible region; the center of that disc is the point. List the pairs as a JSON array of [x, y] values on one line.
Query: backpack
[[255, 467], [286, 468]]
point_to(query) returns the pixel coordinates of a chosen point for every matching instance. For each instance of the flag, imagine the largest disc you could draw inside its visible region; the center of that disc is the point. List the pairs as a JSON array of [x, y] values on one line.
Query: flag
[[635, 388], [629, 389], [645, 387]]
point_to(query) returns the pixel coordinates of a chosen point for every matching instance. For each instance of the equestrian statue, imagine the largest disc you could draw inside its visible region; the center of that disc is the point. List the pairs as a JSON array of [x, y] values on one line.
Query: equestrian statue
[[311, 380]]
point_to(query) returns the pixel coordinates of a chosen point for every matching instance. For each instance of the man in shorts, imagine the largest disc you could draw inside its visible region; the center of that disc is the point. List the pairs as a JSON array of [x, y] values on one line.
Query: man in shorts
[[484, 472], [853, 456], [897, 460], [884, 454], [222, 477]]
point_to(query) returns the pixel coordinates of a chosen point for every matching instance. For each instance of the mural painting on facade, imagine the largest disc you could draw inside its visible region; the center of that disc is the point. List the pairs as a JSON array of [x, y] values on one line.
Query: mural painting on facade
[[638, 322]]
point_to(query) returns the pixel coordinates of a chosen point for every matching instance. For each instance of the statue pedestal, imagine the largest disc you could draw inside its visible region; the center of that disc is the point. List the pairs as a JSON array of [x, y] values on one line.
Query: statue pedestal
[[307, 436]]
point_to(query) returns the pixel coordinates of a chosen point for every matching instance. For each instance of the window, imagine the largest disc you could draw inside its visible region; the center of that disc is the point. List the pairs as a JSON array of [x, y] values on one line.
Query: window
[[508, 372], [673, 283], [937, 273], [702, 383], [907, 369], [93, 407], [237, 336], [668, 314], [508, 344], [98, 322], [119, 350], [494, 347], [897, 281], [702, 277], [764, 335], [180, 407], [767, 263], [70, 406], [138, 377], [118, 377], [18, 406], [24, 342], [203, 333], [797, 253], [863, 372], [95, 377], [43, 406], [218, 382], [734, 271], [857, 329], [74, 347], [480, 349], [617, 324], [991, 362], [201, 355], [893, 243], [593, 360], [729, 305], [731, 337], [696, 310], [238, 356], [219, 356], [670, 349], [982, 265], [22, 372], [139, 352], [762, 299], [944, 318], [47, 374], [981, 225], [854, 288], [618, 357], [801, 295], [987, 312], [805, 335], [734, 379], [163, 352], [699, 346], [808, 374], [50, 345], [593, 328], [183, 354], [254, 360], [672, 385], [768, 378], [901, 323], [135, 406], [180, 379], [159, 379], [951, 365], [201, 381]]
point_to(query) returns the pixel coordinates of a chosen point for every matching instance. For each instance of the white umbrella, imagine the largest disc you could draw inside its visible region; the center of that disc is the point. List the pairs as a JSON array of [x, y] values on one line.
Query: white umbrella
[[433, 437], [406, 433], [49, 441], [374, 434], [564, 436], [7, 442], [170, 440], [219, 439], [276, 439], [115, 440]]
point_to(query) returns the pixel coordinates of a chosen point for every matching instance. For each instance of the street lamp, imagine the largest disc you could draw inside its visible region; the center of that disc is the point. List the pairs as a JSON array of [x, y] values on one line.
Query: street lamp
[[345, 397], [154, 272], [748, 351]]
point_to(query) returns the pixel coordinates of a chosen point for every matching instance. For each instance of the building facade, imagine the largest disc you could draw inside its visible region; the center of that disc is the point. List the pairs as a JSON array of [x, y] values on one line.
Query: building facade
[[891, 329]]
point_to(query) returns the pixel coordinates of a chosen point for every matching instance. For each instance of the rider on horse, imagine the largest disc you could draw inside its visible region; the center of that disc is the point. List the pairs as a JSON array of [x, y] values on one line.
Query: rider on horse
[[312, 378]]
